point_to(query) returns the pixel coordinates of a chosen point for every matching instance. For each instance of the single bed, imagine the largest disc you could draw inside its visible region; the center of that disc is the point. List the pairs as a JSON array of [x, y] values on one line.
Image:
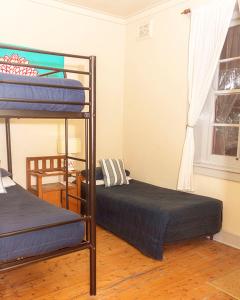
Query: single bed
[[148, 216], [21, 210], [29, 91]]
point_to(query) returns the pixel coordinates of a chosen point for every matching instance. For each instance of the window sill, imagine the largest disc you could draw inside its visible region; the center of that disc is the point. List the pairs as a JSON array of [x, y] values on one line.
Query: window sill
[[216, 171]]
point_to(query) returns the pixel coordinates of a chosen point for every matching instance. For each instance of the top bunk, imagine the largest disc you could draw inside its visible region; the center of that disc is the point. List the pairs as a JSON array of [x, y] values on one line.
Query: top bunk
[[29, 89]]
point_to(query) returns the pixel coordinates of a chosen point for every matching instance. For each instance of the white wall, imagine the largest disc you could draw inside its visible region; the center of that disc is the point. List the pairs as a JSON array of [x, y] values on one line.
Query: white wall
[[62, 29], [155, 109], [156, 96]]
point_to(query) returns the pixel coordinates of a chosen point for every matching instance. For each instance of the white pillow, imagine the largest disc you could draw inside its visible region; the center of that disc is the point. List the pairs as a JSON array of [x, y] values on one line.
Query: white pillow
[[7, 182], [101, 181], [98, 182], [2, 188]]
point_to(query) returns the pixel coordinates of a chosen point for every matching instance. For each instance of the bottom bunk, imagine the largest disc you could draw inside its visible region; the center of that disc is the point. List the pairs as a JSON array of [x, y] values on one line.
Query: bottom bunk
[[148, 216], [21, 210]]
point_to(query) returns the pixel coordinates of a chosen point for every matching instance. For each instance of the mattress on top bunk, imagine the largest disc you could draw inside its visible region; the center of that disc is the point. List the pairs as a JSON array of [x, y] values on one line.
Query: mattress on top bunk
[[20, 209], [28, 92], [148, 216]]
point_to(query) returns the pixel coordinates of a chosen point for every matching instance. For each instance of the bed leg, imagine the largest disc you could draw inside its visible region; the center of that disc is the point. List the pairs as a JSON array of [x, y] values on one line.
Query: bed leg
[[92, 271]]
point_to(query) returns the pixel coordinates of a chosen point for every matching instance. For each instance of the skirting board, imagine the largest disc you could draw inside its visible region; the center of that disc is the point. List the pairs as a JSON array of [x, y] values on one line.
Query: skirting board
[[228, 239]]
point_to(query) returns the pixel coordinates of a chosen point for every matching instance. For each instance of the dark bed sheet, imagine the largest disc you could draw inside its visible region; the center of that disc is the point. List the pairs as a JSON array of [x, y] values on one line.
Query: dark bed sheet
[[148, 216], [20, 209], [41, 93]]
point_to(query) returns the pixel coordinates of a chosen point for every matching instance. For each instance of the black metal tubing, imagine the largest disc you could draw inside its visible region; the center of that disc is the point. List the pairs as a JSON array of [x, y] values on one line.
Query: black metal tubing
[[75, 197], [43, 68], [13, 233], [48, 73], [66, 159], [87, 177], [85, 201], [42, 101], [92, 171], [68, 87], [79, 199], [5, 46], [8, 266], [41, 114], [8, 142], [76, 158]]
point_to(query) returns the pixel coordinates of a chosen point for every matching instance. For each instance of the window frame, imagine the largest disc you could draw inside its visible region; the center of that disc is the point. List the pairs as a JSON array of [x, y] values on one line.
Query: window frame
[[206, 163]]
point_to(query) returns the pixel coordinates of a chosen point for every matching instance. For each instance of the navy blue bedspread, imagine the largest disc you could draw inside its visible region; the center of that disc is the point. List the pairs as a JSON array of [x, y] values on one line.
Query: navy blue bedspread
[[20, 209], [147, 216], [41, 93]]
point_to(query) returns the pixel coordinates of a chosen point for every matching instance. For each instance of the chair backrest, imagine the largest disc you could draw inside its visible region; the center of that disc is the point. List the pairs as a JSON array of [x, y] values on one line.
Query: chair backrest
[[41, 165], [46, 163]]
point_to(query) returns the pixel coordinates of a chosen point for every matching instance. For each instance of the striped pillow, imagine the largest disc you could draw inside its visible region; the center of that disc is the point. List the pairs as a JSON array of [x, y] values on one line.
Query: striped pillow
[[113, 172]]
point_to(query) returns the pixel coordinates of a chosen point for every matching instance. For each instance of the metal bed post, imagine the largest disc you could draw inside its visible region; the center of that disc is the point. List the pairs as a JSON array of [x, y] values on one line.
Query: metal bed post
[[8, 142], [92, 171], [87, 178], [66, 161]]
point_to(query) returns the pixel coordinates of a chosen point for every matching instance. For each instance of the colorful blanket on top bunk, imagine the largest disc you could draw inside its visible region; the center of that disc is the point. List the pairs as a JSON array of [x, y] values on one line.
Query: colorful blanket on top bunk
[[29, 92]]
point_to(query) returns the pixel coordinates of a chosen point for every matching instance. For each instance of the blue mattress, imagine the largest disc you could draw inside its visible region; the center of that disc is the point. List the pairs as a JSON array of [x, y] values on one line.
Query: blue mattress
[[20, 209], [148, 216], [29, 92]]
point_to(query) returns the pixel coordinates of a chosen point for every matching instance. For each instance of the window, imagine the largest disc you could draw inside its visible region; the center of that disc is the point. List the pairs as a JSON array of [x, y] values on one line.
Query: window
[[218, 130]]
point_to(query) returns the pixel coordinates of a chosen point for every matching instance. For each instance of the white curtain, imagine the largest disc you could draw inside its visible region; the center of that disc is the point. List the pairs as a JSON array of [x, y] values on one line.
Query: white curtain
[[209, 26]]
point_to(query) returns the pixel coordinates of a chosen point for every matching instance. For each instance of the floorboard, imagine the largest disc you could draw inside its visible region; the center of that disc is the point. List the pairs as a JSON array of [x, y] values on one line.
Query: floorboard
[[123, 272]]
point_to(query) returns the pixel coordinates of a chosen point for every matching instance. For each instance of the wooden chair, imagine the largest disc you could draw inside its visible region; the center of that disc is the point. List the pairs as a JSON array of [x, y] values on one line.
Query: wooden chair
[[55, 193]]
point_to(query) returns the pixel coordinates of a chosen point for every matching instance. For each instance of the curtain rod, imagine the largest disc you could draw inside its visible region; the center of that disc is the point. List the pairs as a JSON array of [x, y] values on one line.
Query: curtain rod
[[186, 11]]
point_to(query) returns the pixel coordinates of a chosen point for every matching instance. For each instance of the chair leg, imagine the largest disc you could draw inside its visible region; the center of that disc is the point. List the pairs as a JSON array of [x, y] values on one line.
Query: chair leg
[[92, 271], [211, 237]]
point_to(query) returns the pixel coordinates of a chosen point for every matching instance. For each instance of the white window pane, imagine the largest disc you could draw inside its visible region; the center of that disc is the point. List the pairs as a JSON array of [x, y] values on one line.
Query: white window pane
[[229, 72], [225, 140], [227, 109], [232, 43], [229, 79]]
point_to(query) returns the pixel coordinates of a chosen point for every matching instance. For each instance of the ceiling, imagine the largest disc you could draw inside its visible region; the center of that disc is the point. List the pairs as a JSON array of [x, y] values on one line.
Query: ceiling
[[120, 8]]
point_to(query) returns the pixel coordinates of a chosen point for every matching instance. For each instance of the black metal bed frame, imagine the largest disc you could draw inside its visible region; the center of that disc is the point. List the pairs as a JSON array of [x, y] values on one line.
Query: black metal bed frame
[[89, 160]]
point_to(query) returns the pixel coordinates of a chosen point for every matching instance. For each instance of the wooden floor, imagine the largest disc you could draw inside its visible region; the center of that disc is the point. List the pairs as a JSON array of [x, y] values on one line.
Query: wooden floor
[[123, 273]]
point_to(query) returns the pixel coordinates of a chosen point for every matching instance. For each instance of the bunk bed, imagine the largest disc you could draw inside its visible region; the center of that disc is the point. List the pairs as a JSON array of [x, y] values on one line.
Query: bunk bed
[[43, 231]]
